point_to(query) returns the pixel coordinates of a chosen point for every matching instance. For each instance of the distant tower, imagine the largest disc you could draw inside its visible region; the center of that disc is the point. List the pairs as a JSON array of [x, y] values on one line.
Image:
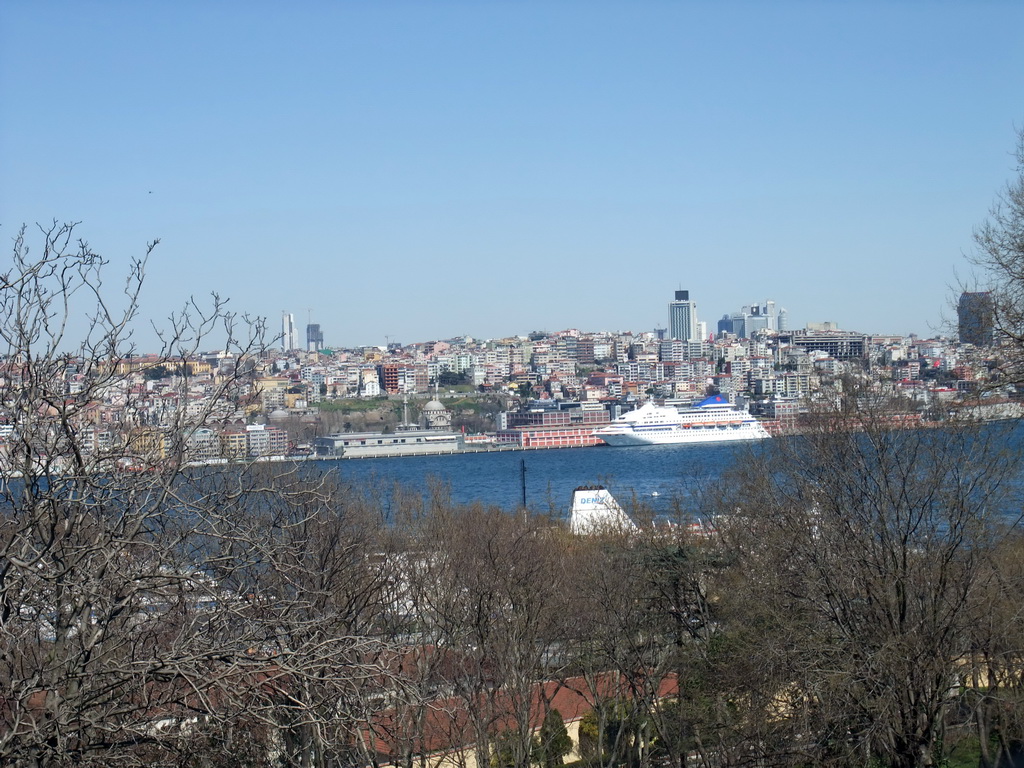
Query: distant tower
[[975, 316], [314, 337], [289, 333], [682, 318]]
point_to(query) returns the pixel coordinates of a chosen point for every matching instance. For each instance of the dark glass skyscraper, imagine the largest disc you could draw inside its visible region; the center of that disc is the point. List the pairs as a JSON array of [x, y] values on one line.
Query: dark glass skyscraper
[[976, 318], [314, 337]]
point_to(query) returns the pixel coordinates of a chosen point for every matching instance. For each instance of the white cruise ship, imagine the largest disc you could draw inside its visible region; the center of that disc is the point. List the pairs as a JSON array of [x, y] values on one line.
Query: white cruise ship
[[711, 420]]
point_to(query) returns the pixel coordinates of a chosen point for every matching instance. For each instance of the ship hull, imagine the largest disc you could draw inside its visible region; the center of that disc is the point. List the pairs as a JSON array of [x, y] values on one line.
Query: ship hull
[[683, 436], [711, 421]]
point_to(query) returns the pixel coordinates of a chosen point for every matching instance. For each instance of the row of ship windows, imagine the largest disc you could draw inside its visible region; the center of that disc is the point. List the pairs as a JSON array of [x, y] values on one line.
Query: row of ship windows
[[379, 442], [671, 427], [537, 442]]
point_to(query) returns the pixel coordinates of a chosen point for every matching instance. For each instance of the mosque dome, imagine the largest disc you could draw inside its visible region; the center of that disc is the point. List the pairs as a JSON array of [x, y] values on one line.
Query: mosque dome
[[435, 416]]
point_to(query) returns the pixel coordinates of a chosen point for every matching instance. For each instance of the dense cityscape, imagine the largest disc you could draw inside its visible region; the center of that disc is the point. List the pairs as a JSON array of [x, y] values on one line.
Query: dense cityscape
[[549, 389]]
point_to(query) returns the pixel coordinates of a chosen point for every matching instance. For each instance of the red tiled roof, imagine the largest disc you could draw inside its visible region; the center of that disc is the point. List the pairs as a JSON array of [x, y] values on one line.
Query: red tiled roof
[[445, 723]]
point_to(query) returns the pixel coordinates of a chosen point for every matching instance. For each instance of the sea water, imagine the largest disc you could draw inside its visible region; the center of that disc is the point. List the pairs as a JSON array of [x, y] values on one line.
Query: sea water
[[660, 476]]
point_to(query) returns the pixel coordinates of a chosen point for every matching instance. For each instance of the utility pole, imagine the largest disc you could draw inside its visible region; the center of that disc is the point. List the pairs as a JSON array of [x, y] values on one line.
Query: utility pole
[[522, 480]]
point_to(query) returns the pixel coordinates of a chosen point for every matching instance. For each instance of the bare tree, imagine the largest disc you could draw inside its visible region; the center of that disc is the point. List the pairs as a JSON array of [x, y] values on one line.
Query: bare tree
[[659, 646], [993, 674], [1000, 257], [94, 571], [865, 547], [602, 640], [153, 611], [489, 589]]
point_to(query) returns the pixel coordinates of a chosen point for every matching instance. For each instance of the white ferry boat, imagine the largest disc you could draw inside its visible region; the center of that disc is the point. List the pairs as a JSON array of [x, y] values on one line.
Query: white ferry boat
[[711, 420]]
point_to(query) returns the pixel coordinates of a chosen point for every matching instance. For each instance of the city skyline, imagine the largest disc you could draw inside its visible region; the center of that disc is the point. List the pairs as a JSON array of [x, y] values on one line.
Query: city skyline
[[684, 324], [418, 172]]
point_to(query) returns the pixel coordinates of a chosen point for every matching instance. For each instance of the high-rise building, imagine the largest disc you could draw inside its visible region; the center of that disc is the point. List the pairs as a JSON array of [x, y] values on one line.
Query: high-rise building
[[314, 337], [754, 317], [682, 318], [289, 333], [976, 318]]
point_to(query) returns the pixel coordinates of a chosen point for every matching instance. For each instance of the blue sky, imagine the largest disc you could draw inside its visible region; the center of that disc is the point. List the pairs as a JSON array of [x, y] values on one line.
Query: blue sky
[[420, 170]]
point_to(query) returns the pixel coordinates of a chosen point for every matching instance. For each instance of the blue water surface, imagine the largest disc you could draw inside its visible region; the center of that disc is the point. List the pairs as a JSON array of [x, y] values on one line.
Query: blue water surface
[[659, 475]]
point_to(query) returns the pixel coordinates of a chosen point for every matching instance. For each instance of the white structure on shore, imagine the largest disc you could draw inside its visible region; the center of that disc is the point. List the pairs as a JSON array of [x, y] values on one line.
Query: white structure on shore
[[595, 510]]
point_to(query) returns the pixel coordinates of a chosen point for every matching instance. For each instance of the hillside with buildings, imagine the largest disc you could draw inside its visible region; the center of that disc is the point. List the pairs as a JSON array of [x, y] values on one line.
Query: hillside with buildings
[[548, 389]]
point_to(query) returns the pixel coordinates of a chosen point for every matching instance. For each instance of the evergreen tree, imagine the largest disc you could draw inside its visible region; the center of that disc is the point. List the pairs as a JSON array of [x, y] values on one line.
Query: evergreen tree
[[553, 742]]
